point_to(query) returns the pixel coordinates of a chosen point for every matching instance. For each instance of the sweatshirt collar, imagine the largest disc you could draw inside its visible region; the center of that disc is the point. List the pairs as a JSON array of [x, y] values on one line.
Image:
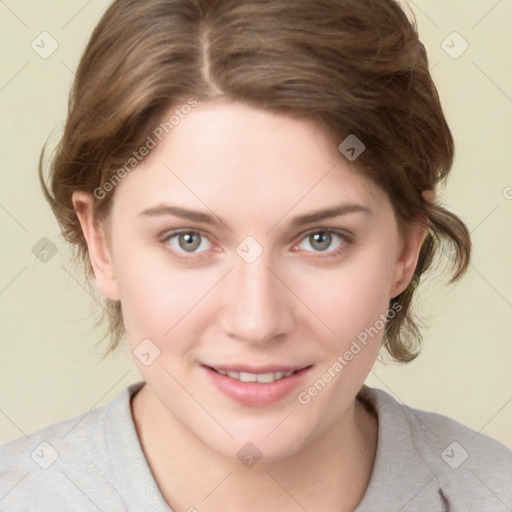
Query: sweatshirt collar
[[400, 480], [132, 475]]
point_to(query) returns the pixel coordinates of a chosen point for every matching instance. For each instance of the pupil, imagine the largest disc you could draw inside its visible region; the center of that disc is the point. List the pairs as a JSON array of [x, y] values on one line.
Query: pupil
[[323, 239], [189, 242]]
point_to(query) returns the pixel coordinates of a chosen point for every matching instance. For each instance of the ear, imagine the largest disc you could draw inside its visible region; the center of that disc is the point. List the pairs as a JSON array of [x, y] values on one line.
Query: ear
[[408, 259], [97, 244]]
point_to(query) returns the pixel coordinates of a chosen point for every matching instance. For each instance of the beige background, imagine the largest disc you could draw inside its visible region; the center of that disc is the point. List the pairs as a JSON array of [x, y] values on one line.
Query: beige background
[[50, 366]]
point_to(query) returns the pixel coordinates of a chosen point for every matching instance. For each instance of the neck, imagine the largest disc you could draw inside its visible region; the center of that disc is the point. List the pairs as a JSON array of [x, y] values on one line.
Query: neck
[[331, 473]]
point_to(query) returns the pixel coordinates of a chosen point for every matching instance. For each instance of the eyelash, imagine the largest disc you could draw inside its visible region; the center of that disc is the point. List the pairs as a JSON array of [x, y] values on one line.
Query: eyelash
[[346, 238]]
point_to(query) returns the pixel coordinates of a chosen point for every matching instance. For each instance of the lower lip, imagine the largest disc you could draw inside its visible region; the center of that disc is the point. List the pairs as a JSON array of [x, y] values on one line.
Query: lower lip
[[256, 394]]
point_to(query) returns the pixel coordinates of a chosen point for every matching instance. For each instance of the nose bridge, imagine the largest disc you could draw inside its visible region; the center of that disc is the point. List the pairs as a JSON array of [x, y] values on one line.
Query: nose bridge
[[256, 309]]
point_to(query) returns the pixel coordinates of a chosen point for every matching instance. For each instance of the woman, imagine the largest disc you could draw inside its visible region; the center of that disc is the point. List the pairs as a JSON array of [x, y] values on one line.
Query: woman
[[252, 187]]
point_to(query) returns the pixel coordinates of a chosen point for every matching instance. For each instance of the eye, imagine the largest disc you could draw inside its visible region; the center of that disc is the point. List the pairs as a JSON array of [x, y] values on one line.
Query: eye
[[325, 241], [183, 242], [188, 244]]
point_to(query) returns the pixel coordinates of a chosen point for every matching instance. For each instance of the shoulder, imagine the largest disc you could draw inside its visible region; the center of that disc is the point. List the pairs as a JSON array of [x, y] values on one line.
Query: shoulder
[[65, 463], [470, 469]]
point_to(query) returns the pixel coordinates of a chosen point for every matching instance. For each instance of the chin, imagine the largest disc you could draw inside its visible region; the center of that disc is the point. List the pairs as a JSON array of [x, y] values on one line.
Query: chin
[[252, 445]]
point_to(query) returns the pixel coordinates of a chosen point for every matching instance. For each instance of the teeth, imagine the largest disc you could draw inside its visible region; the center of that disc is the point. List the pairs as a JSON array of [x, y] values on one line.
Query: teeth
[[248, 377], [269, 377], [264, 378]]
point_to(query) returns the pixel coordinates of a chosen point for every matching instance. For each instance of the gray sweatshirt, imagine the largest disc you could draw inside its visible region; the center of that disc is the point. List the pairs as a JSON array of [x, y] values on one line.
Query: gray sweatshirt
[[425, 462]]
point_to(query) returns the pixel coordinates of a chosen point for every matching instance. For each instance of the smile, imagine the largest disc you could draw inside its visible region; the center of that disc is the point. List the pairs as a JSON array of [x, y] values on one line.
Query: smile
[[258, 387], [263, 378]]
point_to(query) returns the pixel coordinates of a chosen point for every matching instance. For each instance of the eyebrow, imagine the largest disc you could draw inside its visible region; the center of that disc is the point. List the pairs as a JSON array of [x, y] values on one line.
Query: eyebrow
[[206, 218]]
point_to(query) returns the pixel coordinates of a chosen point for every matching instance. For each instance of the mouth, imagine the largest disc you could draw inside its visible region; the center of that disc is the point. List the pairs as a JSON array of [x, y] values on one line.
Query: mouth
[[261, 377], [251, 386]]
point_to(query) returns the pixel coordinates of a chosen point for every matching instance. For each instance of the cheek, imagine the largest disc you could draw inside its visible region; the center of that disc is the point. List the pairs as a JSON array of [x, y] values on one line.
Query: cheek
[[353, 302], [157, 297], [348, 300]]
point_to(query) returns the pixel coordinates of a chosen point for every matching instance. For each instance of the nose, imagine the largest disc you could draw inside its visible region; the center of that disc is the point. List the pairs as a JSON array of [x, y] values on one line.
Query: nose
[[256, 306]]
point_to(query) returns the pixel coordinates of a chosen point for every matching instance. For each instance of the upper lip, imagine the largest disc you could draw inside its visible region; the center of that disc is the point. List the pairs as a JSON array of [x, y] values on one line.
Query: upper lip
[[270, 368]]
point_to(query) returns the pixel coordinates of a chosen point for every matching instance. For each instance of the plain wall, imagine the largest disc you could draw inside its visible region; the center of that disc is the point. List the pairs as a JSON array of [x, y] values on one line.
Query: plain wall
[[50, 362]]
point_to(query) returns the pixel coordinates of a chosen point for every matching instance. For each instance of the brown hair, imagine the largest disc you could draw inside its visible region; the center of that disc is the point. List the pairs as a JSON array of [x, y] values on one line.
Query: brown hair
[[355, 66]]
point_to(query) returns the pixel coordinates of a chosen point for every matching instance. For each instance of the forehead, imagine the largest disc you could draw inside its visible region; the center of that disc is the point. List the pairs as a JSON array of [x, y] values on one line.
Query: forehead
[[226, 154]]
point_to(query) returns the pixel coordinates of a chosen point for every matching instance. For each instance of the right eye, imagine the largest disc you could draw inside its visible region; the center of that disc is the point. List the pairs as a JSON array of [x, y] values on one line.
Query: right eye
[[185, 242]]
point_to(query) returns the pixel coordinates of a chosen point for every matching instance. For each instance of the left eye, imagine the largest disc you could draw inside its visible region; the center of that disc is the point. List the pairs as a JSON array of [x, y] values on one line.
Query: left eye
[[322, 240]]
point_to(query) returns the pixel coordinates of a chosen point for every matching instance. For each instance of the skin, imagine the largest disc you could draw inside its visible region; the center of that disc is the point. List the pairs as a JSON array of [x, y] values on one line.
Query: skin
[[293, 305]]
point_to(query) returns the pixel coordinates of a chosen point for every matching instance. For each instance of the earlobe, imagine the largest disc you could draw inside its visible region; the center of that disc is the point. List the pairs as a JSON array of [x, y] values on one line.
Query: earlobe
[[406, 264], [97, 245]]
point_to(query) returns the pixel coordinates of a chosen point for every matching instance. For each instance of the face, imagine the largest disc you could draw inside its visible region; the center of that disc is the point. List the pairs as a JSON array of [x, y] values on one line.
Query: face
[[223, 263]]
